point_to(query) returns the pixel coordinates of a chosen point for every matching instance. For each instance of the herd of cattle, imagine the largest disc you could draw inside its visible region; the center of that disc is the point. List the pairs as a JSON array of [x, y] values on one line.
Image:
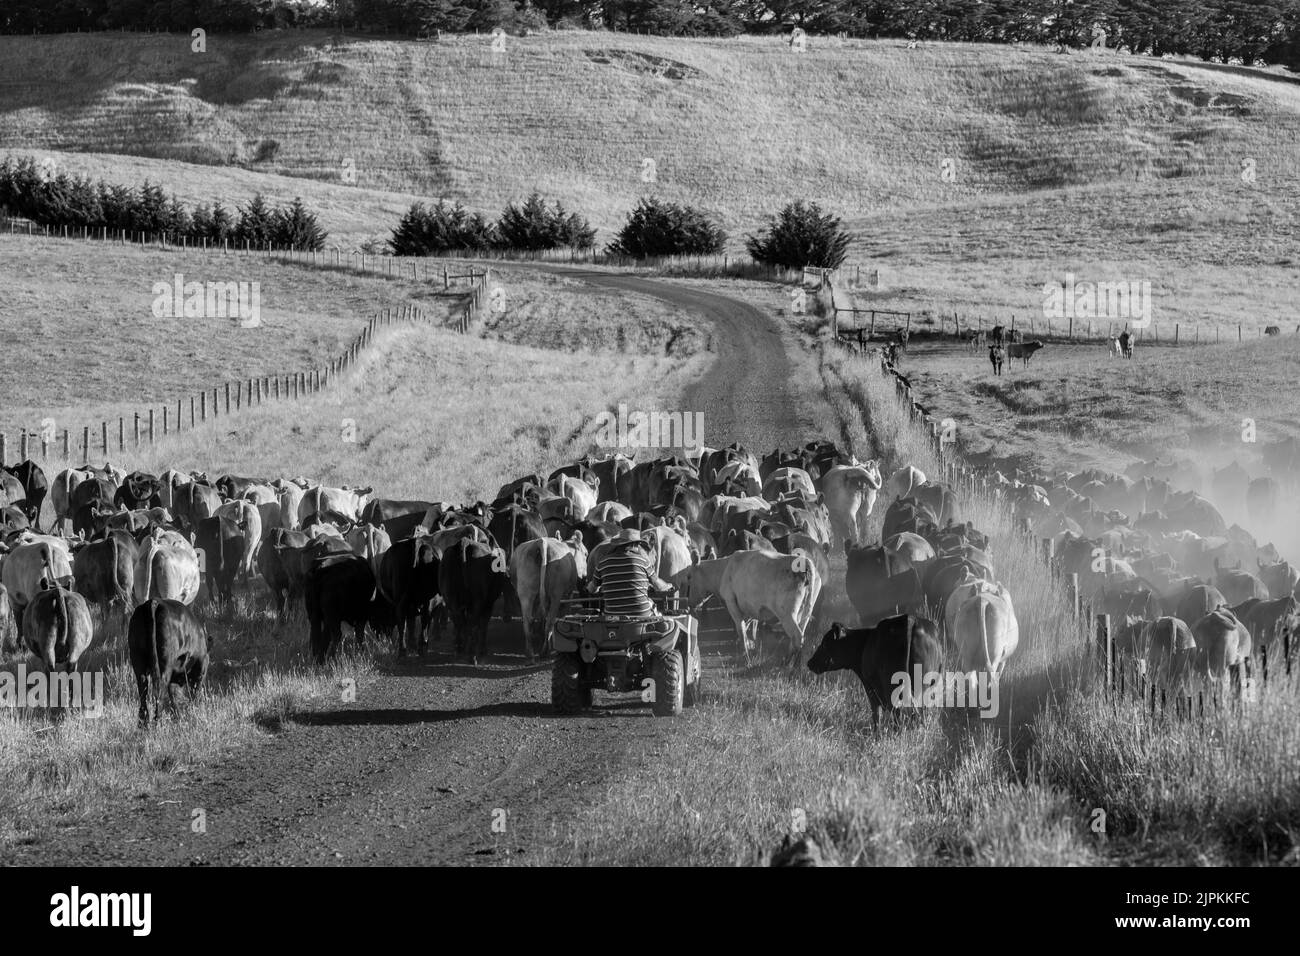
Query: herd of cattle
[[1189, 594], [1193, 594]]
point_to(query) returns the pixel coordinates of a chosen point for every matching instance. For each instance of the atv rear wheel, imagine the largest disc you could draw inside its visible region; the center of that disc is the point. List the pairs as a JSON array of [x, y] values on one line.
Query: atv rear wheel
[[670, 679], [568, 696], [694, 673]]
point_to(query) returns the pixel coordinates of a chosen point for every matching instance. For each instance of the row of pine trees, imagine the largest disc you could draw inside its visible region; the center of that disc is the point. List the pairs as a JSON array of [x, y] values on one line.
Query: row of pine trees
[[56, 199]]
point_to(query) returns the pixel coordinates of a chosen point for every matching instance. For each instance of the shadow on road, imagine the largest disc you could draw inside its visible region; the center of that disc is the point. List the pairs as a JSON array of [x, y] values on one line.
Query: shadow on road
[[398, 716]]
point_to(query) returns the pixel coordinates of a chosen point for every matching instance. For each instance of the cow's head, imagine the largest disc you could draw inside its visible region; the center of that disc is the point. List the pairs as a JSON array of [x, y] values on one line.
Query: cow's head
[[835, 652]]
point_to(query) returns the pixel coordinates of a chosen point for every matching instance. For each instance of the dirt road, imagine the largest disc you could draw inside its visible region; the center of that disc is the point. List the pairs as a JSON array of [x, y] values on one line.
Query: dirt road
[[431, 754]]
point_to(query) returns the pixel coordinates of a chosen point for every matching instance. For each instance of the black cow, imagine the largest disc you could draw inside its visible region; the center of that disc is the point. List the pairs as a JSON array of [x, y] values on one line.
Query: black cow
[[35, 488], [897, 645], [233, 487], [998, 335], [872, 590], [398, 518], [168, 645], [1272, 330], [285, 558], [1125, 344], [139, 490], [339, 589], [471, 576], [997, 355], [408, 579], [221, 540], [104, 571]]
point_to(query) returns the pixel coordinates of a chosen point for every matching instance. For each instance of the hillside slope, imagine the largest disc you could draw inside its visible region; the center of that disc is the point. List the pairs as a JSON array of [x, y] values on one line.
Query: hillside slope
[[973, 173]]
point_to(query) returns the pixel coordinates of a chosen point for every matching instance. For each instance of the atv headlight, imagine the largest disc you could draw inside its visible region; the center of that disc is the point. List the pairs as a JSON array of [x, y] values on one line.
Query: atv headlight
[[587, 651]]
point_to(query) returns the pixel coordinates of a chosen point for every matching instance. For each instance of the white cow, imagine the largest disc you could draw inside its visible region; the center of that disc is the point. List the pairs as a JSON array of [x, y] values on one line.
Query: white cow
[[168, 568], [850, 493], [369, 542], [985, 631], [669, 548], [61, 495], [247, 515], [289, 498], [614, 511], [785, 480], [544, 572], [753, 582], [579, 494], [743, 473], [32, 557], [905, 480], [320, 499]]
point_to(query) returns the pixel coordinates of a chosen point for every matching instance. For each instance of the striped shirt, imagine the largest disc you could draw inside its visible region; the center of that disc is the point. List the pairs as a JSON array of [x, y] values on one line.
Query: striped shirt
[[623, 579]]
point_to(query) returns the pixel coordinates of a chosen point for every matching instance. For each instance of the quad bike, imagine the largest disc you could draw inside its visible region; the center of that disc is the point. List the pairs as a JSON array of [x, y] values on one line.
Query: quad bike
[[658, 656]]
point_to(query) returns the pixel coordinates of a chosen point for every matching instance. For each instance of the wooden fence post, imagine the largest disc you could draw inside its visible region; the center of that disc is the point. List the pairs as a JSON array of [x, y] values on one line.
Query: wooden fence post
[[22, 445], [66, 442], [203, 406], [85, 444], [191, 411], [103, 435], [1106, 645], [4, 450], [151, 427], [227, 398], [137, 429], [165, 411]]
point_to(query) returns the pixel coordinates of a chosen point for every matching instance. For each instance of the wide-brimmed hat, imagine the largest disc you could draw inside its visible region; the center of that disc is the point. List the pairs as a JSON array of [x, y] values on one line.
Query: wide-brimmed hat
[[626, 535]]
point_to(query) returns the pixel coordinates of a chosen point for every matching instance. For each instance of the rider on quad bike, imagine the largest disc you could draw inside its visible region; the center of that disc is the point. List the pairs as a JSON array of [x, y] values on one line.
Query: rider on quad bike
[[625, 577], [628, 643]]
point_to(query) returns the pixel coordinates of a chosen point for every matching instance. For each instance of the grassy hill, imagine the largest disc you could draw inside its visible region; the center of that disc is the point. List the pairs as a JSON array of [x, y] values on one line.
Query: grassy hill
[[972, 174]]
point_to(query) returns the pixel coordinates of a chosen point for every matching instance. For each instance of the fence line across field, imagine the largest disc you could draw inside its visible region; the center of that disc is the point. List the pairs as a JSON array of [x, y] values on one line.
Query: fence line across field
[[247, 392]]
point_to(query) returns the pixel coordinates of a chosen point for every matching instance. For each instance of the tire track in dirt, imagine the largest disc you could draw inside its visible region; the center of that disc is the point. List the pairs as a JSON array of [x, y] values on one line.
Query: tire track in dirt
[[417, 768]]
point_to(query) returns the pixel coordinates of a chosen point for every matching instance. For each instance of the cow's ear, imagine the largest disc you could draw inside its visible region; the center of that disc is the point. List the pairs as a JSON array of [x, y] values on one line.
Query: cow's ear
[[826, 548], [837, 631], [848, 545]]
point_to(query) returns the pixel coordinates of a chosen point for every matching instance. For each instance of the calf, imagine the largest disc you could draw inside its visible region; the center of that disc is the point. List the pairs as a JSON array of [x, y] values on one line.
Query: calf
[[997, 354], [878, 655], [168, 645], [8, 626]]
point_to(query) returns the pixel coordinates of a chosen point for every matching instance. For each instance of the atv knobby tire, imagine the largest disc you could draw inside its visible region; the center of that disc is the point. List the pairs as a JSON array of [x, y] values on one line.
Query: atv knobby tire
[[568, 696], [670, 679], [694, 669]]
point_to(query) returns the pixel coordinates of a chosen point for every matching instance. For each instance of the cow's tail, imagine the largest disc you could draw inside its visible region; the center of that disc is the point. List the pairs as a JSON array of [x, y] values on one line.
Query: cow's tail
[[120, 593], [61, 626], [542, 605], [986, 625], [154, 666], [146, 592], [316, 507]]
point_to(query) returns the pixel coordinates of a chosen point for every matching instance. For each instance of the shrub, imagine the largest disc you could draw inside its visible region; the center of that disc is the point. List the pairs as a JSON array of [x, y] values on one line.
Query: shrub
[[535, 226], [438, 229], [659, 228], [801, 235]]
